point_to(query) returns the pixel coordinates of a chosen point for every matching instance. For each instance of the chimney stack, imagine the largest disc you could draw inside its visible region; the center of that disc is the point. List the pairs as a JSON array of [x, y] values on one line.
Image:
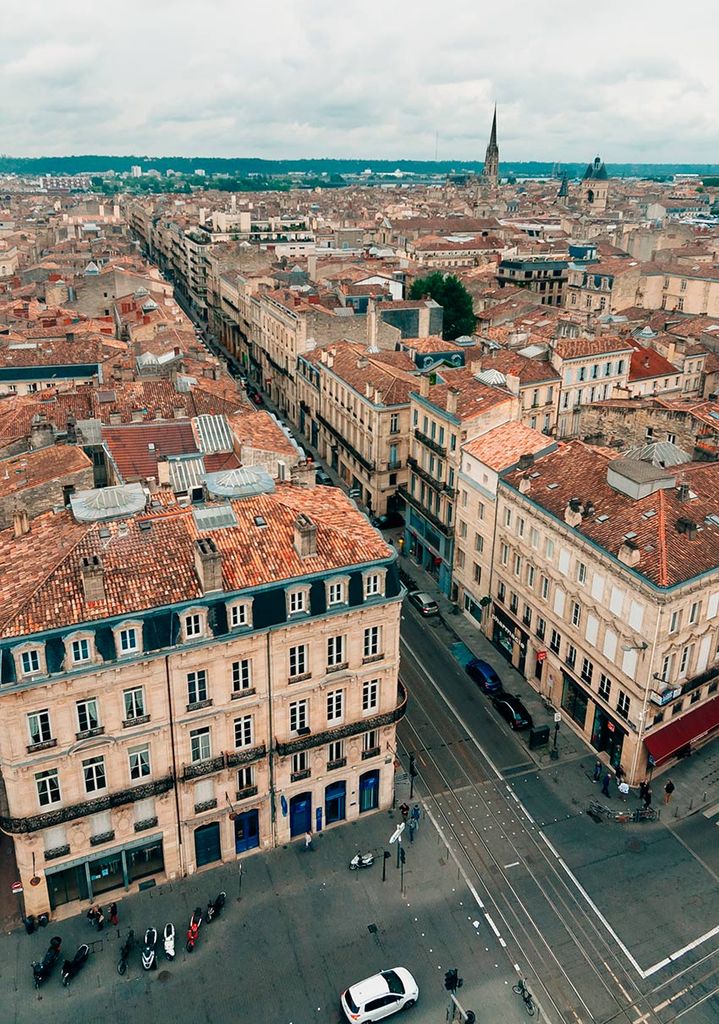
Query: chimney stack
[[304, 474], [20, 522], [305, 536], [372, 324], [572, 513], [452, 399], [629, 553], [93, 578], [424, 387], [208, 565]]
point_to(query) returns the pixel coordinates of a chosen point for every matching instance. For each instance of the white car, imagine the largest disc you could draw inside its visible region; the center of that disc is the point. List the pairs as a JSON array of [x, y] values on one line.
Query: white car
[[380, 996]]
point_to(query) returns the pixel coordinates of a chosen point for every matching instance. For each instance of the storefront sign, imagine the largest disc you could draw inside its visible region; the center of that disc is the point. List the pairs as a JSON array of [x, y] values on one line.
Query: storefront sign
[[510, 632], [541, 655]]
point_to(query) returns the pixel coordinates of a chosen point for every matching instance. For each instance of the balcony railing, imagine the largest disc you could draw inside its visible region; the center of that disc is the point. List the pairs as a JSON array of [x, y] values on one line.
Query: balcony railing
[[370, 752], [339, 762], [299, 776], [246, 793], [142, 826], [443, 528], [41, 745], [85, 734], [429, 443]]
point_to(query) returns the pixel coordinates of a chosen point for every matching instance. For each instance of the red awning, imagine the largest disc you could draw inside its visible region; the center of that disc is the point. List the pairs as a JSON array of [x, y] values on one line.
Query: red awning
[[668, 741]]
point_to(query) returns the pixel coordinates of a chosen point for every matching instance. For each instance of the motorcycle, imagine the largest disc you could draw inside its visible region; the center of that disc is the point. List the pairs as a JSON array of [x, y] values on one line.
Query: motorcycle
[[361, 860], [168, 937], [72, 967], [215, 906], [149, 950], [42, 969], [125, 952], [194, 930]]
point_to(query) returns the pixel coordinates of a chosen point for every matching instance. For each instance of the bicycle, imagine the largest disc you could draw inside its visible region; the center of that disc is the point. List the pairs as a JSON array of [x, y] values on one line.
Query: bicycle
[[521, 990]]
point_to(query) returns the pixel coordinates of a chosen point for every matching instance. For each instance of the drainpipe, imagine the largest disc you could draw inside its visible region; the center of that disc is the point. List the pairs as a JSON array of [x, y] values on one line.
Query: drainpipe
[[270, 747], [643, 712], [180, 848]]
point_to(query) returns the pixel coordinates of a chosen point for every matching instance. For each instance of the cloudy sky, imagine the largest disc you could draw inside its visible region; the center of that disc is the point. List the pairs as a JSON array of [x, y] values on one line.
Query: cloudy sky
[[284, 78]]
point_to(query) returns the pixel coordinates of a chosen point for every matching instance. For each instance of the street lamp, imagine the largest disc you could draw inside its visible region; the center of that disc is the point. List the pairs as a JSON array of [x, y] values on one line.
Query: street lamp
[[635, 647]]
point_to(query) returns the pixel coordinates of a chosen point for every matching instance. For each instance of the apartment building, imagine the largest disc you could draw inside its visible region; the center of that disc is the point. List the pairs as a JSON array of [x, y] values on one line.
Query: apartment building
[[354, 410], [547, 278], [602, 287], [443, 416], [684, 289], [590, 370], [534, 381], [181, 686], [605, 595]]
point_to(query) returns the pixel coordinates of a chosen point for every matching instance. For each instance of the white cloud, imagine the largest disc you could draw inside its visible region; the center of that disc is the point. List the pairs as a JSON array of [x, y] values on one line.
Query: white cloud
[[218, 77]]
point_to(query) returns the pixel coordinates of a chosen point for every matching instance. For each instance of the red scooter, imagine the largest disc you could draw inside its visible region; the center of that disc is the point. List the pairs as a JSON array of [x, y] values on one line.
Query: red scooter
[[194, 930]]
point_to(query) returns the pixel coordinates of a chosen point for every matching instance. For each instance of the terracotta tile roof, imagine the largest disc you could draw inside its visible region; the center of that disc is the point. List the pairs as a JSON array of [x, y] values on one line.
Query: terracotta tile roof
[[17, 411], [259, 430], [40, 578], [129, 446], [36, 467], [529, 371], [646, 363], [474, 398], [503, 446], [431, 343], [353, 364], [667, 557], [581, 348]]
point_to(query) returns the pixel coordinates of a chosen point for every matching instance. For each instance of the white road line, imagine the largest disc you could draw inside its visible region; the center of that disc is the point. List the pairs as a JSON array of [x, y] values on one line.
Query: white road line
[[514, 864], [711, 811], [492, 925], [669, 959]]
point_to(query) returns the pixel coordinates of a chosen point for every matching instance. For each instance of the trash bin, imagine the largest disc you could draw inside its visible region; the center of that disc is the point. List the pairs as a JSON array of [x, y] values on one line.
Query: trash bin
[[538, 736]]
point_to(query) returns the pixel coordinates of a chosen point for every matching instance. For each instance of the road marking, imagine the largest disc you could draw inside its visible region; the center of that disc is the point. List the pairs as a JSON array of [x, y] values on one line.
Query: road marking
[[514, 864], [711, 811]]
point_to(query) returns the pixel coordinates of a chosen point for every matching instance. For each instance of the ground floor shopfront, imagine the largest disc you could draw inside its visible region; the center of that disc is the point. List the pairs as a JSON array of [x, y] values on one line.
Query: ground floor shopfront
[[429, 548], [89, 878]]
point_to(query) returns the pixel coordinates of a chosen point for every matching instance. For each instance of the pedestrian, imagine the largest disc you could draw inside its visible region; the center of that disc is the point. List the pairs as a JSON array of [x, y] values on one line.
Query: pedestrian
[[605, 784], [647, 796], [308, 839], [415, 815], [597, 770], [642, 788], [112, 914], [623, 788], [404, 811], [412, 827], [100, 920], [668, 790], [93, 914]]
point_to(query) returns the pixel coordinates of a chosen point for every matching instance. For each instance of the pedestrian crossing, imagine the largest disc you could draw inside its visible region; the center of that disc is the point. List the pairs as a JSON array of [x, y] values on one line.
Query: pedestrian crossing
[[710, 812]]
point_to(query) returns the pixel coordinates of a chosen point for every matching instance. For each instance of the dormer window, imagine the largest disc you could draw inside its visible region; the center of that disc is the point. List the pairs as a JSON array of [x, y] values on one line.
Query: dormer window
[[79, 648], [30, 662], [194, 623], [374, 583], [336, 591], [240, 614], [128, 638], [80, 651], [298, 601]]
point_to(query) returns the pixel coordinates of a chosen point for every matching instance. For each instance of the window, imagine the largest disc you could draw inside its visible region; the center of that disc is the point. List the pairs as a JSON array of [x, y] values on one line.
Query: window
[[541, 627], [80, 650], [531, 573], [88, 717], [544, 588], [534, 537], [246, 777], [372, 584], [299, 714], [394, 423], [605, 686], [128, 640], [686, 659], [667, 667], [193, 625], [139, 758], [517, 565], [504, 554], [196, 686], [370, 695], [623, 704], [476, 572], [300, 763], [297, 601], [240, 615], [587, 670], [678, 707], [93, 770], [30, 662], [335, 702], [462, 528], [39, 726], [555, 642], [576, 613], [241, 675], [549, 548], [520, 526], [200, 745], [513, 603], [48, 787], [134, 701], [478, 542], [335, 593], [461, 558], [571, 655], [527, 615], [370, 741], [335, 651], [674, 622], [372, 643], [298, 660], [243, 732], [507, 517], [694, 613], [335, 750], [581, 572], [501, 592]]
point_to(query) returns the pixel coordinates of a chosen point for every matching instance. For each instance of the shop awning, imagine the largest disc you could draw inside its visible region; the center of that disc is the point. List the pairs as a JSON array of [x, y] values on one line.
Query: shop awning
[[673, 737]]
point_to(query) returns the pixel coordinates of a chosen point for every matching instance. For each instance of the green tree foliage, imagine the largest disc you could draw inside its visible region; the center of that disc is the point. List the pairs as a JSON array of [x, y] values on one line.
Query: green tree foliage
[[454, 298]]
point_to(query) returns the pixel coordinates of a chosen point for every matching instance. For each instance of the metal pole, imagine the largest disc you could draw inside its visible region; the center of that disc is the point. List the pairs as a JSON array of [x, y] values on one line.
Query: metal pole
[[401, 878], [385, 858], [239, 881], [399, 847]]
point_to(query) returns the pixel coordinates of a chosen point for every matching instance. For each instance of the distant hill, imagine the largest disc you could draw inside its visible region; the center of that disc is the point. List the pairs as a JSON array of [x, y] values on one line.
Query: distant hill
[[243, 166]]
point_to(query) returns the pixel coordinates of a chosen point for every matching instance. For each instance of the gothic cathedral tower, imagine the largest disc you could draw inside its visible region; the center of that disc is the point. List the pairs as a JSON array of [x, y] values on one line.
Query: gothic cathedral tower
[[490, 174]]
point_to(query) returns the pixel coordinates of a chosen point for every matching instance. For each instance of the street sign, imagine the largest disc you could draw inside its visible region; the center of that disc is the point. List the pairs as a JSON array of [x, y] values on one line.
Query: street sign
[[16, 888], [541, 655], [397, 834], [557, 717]]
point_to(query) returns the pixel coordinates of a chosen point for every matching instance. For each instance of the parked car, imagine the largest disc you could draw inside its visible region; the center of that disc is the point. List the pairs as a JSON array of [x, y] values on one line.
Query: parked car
[[257, 398], [484, 675], [512, 710], [380, 996], [388, 521], [323, 478], [425, 602]]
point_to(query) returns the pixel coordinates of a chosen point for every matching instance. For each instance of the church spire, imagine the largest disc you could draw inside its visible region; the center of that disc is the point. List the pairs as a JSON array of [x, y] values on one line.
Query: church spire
[[493, 134], [491, 157]]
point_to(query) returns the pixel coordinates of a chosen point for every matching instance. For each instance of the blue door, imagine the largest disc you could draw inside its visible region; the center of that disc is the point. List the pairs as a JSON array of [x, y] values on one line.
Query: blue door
[[247, 831], [369, 791], [335, 799], [207, 843], [300, 814]]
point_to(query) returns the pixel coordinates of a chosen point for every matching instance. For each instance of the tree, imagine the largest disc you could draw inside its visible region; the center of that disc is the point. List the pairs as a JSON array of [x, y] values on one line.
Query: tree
[[453, 297]]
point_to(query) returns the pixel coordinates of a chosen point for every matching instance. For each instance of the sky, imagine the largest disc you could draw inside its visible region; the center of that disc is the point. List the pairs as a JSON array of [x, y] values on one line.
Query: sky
[[398, 80]]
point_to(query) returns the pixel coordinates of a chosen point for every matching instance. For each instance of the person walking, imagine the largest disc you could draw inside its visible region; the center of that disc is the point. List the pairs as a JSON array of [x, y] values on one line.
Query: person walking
[[642, 788], [404, 811], [647, 796], [597, 770], [100, 920], [308, 839], [623, 788], [620, 773], [113, 915], [412, 828], [605, 785], [668, 790]]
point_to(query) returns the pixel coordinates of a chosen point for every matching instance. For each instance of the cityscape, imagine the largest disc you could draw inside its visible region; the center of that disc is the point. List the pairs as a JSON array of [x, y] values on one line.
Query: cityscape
[[359, 578]]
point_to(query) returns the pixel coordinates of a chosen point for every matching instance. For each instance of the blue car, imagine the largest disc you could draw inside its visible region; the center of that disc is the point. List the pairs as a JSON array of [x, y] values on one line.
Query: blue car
[[484, 675]]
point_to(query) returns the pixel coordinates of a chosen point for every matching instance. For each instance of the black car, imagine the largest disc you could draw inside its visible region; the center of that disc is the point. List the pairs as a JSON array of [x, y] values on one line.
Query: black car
[[512, 710], [484, 675], [323, 478], [388, 521]]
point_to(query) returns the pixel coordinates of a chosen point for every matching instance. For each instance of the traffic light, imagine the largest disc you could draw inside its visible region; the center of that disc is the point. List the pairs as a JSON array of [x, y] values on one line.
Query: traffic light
[[451, 980]]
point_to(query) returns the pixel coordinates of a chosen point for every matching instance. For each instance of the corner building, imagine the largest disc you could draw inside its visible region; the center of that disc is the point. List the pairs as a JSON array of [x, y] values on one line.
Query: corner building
[[185, 685]]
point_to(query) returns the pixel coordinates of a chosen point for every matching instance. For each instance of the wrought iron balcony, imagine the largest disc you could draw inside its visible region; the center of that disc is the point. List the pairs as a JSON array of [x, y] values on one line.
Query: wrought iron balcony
[[246, 793], [439, 449], [42, 745], [206, 805], [413, 500], [142, 826], [57, 851], [370, 752], [102, 837]]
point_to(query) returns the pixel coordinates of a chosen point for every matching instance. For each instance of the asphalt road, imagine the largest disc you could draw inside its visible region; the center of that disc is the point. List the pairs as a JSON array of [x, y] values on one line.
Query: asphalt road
[[589, 913]]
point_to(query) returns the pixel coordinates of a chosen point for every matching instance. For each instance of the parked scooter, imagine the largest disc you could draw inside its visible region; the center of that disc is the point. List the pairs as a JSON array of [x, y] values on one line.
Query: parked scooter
[[149, 950], [125, 952], [168, 937], [215, 906], [194, 930], [361, 860], [42, 969], [72, 967]]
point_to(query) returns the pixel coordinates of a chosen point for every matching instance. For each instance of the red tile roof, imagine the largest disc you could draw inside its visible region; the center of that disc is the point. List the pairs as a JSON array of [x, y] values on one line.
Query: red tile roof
[[503, 446], [646, 363], [129, 446], [37, 467]]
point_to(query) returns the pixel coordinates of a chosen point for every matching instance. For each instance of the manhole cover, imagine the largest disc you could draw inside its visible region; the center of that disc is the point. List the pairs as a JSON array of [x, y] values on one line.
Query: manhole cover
[[164, 976], [635, 845], [372, 929]]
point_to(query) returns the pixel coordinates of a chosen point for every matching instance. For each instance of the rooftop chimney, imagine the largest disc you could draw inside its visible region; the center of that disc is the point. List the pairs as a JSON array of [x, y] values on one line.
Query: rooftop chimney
[[683, 492], [372, 324], [629, 553], [304, 474], [424, 387], [572, 513], [368, 389], [42, 433], [452, 400], [93, 578], [305, 536], [524, 485], [378, 397], [20, 522], [525, 461], [362, 362], [208, 565]]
